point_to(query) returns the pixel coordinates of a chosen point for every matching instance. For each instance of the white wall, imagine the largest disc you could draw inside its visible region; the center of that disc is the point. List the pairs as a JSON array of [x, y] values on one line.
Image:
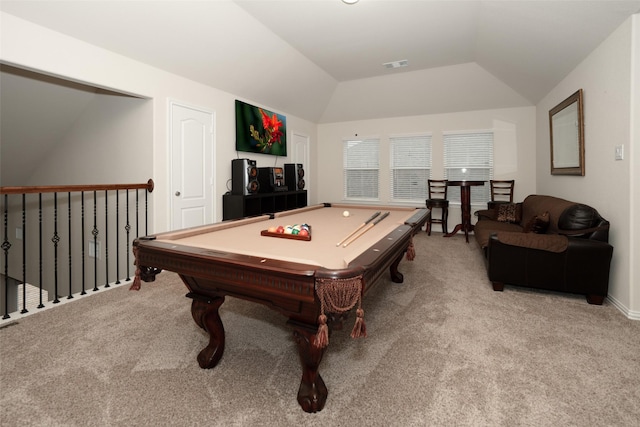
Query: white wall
[[514, 144], [30, 46], [95, 148], [606, 79], [634, 160]]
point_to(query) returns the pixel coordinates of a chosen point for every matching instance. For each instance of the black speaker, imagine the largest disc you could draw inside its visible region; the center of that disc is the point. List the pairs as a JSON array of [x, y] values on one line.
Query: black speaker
[[244, 177], [294, 176]]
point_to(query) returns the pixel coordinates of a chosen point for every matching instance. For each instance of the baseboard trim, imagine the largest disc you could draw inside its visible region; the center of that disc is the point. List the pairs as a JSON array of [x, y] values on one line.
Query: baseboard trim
[[17, 315], [630, 314]]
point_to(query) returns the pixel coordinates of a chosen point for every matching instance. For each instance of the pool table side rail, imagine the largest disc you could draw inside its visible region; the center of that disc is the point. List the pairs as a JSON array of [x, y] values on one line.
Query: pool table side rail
[[194, 231], [184, 259], [418, 219]]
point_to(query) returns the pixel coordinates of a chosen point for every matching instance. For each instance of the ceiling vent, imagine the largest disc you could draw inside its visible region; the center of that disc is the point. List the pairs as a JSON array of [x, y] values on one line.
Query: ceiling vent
[[396, 64]]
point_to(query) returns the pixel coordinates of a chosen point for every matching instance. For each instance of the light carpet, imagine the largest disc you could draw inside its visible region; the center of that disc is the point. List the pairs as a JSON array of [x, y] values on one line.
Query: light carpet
[[443, 349]]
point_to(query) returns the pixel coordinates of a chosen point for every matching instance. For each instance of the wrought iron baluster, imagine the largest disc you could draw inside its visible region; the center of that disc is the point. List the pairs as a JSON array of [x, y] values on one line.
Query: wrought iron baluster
[[106, 239], [70, 296], [6, 245], [82, 241], [128, 228], [55, 239], [95, 241], [24, 255], [117, 237], [40, 247]]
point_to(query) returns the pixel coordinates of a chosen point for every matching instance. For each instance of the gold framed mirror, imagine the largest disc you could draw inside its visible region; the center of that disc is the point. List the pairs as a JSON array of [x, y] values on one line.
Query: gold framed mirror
[[567, 136]]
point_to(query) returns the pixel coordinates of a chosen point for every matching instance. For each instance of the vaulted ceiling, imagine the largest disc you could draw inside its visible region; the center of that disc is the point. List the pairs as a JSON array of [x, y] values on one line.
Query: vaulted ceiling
[[322, 60]]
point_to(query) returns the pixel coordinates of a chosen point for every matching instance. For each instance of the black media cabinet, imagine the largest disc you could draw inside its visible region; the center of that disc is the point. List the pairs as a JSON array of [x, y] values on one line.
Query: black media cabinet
[[236, 206]]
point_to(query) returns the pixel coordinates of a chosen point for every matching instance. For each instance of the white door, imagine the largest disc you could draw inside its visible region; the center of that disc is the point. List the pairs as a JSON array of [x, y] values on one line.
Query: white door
[[191, 151]]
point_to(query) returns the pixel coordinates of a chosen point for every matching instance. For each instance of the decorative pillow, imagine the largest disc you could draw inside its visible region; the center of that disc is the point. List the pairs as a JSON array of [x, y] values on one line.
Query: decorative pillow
[[538, 224], [507, 212]]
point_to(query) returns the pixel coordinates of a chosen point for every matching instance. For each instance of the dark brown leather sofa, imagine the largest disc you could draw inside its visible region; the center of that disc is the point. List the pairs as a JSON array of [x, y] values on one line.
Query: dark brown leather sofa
[[547, 243]]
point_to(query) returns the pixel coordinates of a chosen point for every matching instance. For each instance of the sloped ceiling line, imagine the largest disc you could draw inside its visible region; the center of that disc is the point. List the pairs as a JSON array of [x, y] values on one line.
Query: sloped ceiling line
[[328, 56]]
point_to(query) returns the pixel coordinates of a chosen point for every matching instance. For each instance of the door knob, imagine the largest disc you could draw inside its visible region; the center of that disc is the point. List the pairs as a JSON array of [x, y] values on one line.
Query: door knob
[[177, 193]]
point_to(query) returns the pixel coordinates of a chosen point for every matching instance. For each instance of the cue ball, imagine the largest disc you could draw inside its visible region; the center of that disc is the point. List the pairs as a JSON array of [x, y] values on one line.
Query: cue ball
[[345, 214]]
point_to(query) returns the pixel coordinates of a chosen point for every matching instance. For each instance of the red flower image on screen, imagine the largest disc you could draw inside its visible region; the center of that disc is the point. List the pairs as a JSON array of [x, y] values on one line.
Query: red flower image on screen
[[272, 132], [259, 130]]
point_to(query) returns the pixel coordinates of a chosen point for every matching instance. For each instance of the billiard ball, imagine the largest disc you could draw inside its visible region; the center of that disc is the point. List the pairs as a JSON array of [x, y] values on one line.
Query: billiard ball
[[345, 214], [272, 229], [303, 232], [280, 229]]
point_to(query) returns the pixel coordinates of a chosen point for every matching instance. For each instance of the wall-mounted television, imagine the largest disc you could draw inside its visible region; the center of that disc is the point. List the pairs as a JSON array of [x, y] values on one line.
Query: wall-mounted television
[[260, 131]]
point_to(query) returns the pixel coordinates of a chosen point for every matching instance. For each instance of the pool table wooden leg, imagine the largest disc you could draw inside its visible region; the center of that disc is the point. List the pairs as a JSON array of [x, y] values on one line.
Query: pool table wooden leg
[[205, 313], [396, 276], [312, 393]]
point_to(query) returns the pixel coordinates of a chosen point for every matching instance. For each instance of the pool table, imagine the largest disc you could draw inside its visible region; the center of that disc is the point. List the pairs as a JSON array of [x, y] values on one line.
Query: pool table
[[234, 258]]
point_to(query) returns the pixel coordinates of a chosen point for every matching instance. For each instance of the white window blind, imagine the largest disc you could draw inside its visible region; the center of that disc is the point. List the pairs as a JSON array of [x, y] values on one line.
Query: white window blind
[[361, 167], [469, 156], [410, 167]]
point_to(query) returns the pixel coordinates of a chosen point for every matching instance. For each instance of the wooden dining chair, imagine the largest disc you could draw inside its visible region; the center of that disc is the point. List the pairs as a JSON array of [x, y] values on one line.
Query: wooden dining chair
[[501, 192], [438, 200]]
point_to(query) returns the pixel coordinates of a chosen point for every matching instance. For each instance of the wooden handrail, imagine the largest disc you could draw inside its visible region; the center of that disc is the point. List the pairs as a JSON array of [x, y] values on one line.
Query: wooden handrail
[[73, 188]]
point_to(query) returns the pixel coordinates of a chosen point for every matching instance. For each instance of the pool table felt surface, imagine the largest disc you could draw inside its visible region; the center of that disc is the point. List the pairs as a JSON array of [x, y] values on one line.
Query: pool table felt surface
[[328, 227]]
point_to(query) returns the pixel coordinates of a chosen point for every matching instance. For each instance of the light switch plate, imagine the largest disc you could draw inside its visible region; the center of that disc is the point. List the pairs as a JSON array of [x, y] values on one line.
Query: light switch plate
[[619, 152]]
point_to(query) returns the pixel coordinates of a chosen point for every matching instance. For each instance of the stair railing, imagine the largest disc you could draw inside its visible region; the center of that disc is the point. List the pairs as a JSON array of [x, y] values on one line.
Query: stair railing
[[95, 238]]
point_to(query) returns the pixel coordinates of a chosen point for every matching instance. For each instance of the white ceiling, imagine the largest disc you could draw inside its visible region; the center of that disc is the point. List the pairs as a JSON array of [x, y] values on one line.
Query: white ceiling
[[329, 54], [529, 45]]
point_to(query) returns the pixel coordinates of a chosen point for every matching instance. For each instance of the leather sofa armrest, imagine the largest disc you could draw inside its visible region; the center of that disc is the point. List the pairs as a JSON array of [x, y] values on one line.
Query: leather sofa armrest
[[588, 263], [585, 249]]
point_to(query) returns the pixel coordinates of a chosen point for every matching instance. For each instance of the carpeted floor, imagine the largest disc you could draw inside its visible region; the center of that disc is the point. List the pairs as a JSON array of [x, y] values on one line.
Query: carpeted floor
[[442, 349]]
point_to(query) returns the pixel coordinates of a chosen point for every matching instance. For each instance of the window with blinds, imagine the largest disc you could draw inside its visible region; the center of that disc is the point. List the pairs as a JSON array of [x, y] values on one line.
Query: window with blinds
[[410, 167], [361, 168], [469, 156]]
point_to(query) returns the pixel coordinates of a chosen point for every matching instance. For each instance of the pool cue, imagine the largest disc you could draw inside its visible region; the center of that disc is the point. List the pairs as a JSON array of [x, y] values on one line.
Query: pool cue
[[360, 227], [369, 227]]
